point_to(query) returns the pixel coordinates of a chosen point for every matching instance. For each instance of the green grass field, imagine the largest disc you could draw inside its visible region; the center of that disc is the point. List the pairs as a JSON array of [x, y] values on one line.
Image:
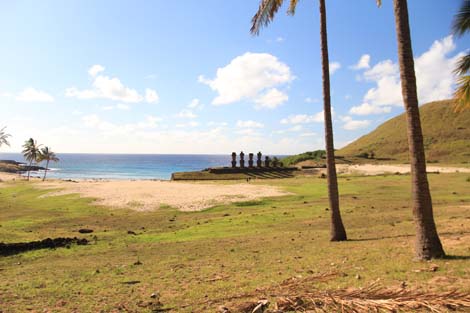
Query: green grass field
[[200, 260]]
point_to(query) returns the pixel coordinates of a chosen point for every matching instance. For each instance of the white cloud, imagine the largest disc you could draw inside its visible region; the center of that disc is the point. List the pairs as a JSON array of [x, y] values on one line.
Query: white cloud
[[220, 124], [104, 87], [249, 124], [363, 63], [95, 122], [271, 99], [95, 69], [304, 118], [122, 106], [311, 100], [350, 124], [151, 96], [367, 109], [251, 76], [311, 134], [195, 104], [185, 113], [296, 128], [334, 66], [119, 106], [280, 39], [34, 95], [434, 78], [247, 132]]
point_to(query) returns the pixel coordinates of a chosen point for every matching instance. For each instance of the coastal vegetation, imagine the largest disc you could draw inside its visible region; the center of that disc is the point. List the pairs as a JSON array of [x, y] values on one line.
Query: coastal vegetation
[[228, 255], [266, 12], [46, 154], [31, 153]]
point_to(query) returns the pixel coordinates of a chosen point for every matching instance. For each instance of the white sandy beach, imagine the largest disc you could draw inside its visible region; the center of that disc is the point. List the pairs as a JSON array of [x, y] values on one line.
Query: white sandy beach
[[143, 195]]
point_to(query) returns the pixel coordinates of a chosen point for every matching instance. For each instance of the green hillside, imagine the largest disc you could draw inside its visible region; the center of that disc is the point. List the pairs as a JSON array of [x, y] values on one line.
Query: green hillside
[[446, 136]]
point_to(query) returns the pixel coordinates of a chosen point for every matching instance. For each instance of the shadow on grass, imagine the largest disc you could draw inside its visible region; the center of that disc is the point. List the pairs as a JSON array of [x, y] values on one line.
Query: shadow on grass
[[7, 249], [404, 236]]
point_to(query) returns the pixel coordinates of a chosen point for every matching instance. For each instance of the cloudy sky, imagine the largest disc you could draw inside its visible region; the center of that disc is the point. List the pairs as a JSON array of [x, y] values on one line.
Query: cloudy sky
[[187, 77]]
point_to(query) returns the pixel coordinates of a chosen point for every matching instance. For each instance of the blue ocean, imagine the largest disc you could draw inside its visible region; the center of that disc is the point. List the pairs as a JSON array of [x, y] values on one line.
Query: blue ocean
[[125, 166]]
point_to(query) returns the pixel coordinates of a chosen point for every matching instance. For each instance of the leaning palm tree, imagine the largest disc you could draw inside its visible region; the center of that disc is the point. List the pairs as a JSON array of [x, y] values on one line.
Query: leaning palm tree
[[460, 26], [31, 153], [427, 244], [265, 14], [46, 154], [4, 137]]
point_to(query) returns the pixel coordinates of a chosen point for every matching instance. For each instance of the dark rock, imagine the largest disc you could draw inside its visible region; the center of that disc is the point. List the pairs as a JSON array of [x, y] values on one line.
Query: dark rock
[[85, 231]]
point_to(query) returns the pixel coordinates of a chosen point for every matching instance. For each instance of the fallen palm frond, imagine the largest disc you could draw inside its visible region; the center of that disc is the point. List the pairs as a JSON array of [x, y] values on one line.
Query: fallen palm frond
[[373, 298]]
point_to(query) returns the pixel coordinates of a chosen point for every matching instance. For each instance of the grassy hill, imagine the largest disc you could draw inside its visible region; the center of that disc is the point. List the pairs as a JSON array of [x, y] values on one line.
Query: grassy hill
[[446, 136]]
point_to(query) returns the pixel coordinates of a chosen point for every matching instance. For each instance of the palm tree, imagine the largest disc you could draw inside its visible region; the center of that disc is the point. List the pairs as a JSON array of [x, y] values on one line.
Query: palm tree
[[4, 137], [31, 152], [460, 26], [46, 154], [428, 244], [266, 12]]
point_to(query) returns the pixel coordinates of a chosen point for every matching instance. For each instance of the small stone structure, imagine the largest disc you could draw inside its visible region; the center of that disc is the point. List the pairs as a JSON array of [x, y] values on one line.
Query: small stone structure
[[258, 161], [242, 159]]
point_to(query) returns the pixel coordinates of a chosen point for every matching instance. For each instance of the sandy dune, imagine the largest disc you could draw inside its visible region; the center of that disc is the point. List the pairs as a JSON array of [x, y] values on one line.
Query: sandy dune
[[150, 195]]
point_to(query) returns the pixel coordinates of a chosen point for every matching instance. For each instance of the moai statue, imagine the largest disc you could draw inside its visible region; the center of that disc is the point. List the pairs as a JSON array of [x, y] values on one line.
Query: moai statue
[[250, 160], [258, 161], [234, 159], [266, 161], [242, 159]]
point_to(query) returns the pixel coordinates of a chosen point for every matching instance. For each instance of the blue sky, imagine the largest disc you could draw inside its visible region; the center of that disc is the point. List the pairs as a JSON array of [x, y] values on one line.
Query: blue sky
[[187, 76]]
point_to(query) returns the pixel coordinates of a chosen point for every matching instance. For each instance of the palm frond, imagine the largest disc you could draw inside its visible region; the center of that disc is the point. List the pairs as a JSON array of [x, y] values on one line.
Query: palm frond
[[463, 65], [292, 6], [4, 137], [46, 154], [461, 23], [462, 93], [266, 12], [31, 150]]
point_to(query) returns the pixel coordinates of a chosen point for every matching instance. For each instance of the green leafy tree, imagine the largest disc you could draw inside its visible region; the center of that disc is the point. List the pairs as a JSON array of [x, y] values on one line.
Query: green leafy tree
[[427, 243], [46, 154], [460, 26], [31, 153], [4, 137], [266, 12]]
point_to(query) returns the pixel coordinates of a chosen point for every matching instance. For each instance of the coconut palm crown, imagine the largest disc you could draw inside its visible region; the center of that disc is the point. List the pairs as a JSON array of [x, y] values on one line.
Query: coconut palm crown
[[46, 154], [4, 137], [460, 26], [31, 153]]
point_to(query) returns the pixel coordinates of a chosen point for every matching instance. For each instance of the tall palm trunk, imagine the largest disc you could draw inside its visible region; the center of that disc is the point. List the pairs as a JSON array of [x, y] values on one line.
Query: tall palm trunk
[[45, 171], [29, 168], [338, 233], [428, 244]]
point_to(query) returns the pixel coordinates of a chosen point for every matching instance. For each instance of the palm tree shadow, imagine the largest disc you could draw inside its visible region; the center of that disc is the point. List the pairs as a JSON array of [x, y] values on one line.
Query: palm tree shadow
[[405, 236]]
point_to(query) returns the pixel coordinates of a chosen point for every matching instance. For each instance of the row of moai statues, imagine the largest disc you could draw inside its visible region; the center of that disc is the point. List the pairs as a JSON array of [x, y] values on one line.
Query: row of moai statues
[[259, 163]]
